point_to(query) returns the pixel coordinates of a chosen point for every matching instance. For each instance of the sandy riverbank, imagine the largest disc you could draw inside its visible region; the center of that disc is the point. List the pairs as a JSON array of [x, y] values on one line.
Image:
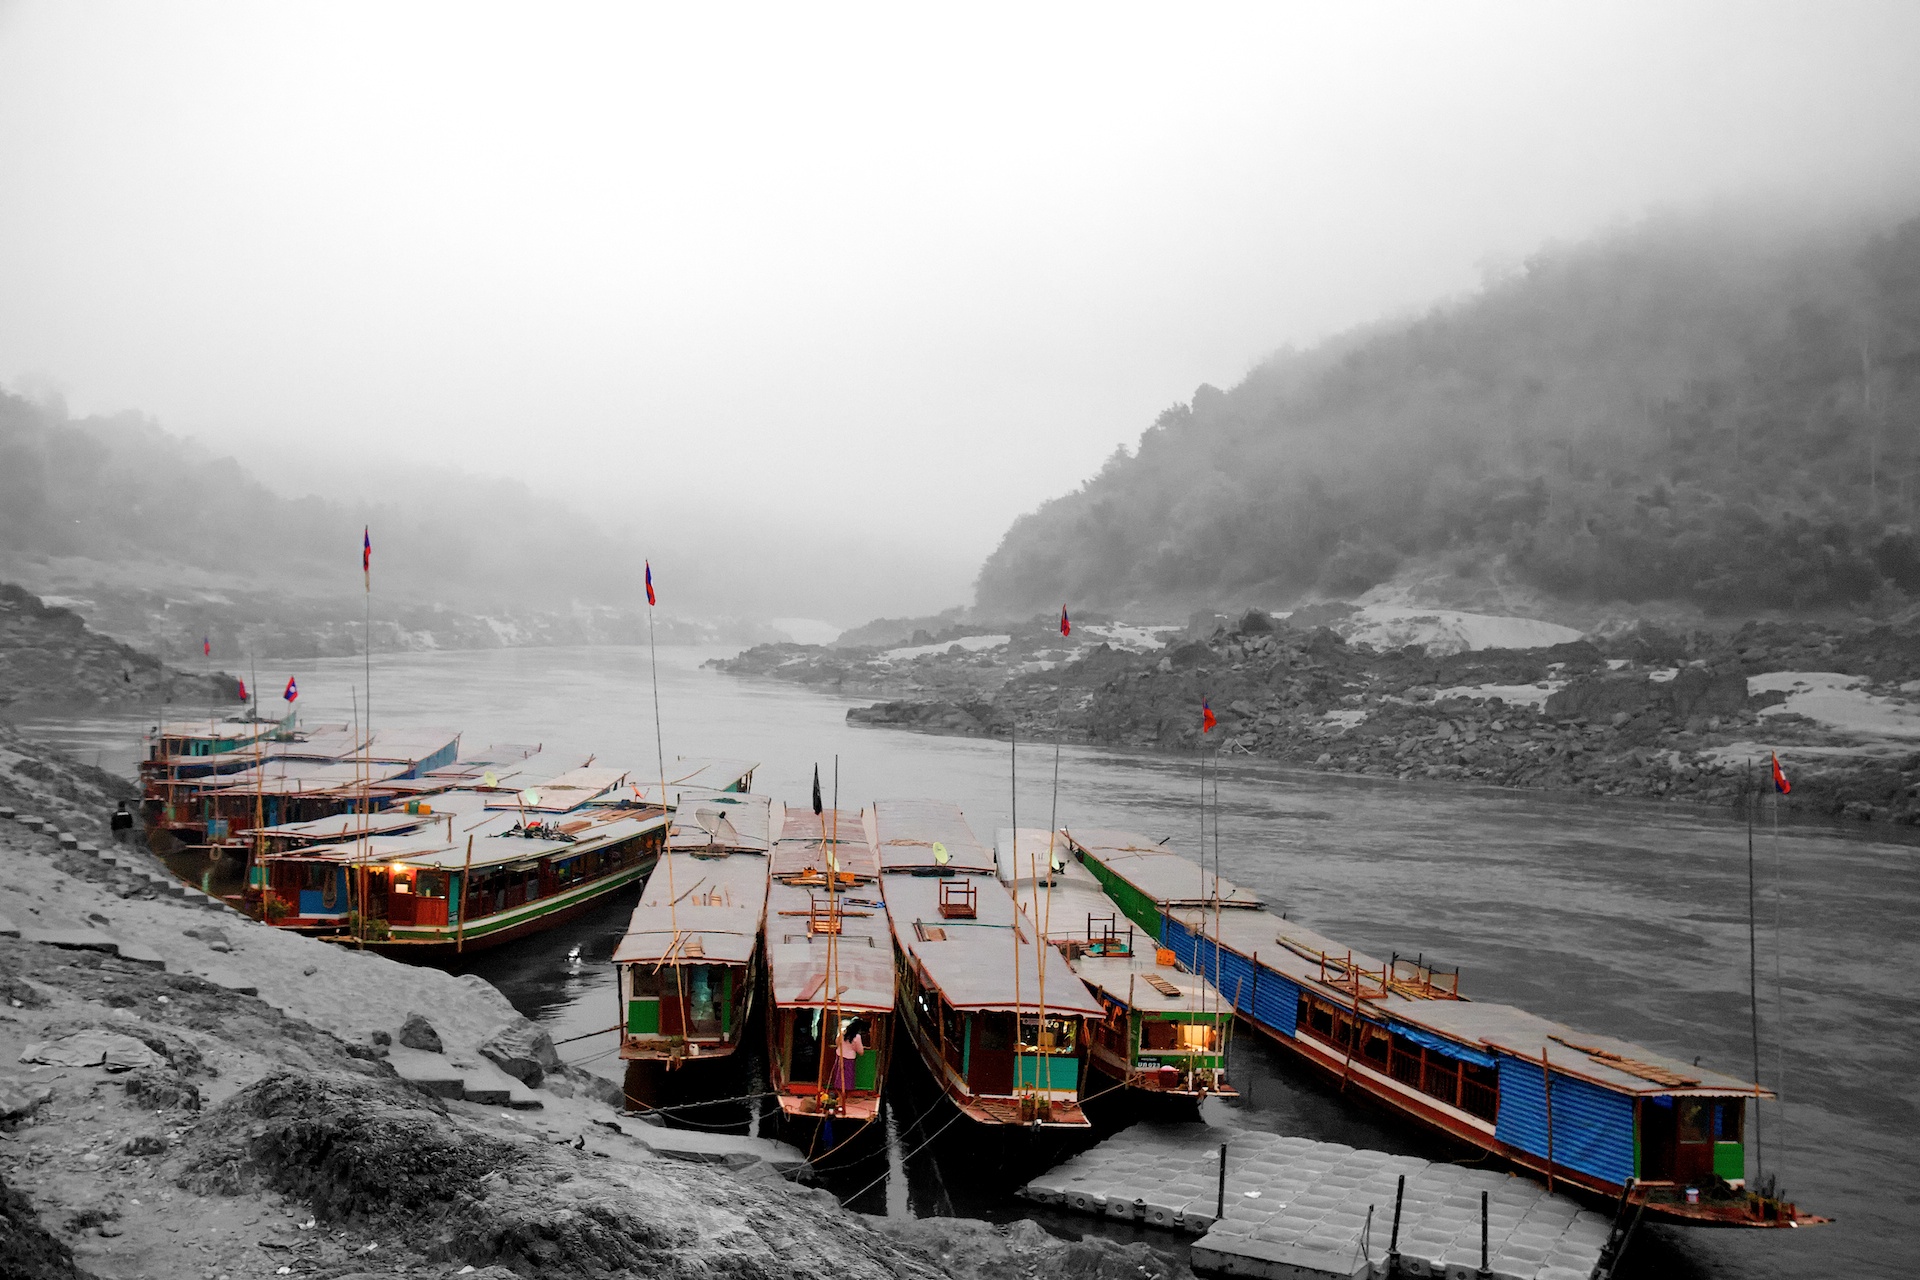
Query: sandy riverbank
[[162, 1121]]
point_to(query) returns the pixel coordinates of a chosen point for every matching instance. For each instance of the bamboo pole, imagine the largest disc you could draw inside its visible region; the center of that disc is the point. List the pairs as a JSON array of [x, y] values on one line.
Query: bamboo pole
[[466, 891]]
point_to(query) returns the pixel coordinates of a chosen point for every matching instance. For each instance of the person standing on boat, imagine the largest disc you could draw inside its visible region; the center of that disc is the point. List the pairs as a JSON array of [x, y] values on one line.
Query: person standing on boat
[[122, 824], [852, 1045]]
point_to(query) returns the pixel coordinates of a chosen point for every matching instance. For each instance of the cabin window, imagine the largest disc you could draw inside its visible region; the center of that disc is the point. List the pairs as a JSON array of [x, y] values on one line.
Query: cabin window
[[1711, 1119], [1060, 1035], [1158, 1034], [1196, 1037], [431, 884]]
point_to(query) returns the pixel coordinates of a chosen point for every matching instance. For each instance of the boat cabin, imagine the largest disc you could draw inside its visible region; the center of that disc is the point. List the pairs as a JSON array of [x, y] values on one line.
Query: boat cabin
[[688, 963]]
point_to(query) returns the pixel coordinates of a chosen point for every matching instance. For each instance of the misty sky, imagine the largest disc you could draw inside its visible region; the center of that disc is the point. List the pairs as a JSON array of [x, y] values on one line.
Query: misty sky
[[849, 277]]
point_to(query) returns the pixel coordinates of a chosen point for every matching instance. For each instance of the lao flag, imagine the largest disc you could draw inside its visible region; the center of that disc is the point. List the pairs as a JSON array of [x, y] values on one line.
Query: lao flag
[[1066, 627], [366, 552], [206, 646], [243, 689], [293, 690], [1207, 720], [650, 599], [1780, 782]]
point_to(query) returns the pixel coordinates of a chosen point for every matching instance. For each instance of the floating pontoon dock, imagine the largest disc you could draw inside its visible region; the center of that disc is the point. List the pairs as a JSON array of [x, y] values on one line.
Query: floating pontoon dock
[[1295, 1209]]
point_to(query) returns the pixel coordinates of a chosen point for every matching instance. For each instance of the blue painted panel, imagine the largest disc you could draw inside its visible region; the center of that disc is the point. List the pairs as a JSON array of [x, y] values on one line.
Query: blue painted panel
[[1276, 1003], [427, 764], [1440, 1044], [1592, 1127]]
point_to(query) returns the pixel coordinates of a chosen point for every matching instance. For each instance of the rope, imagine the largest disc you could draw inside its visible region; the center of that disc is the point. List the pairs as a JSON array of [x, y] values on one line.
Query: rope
[[585, 1034], [957, 1117]]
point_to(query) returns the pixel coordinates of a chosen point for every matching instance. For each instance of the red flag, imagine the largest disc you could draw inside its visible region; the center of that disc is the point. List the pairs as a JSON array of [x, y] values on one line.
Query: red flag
[[650, 599], [243, 689], [206, 646], [366, 554], [1780, 782], [1207, 720], [293, 690], [1066, 627]]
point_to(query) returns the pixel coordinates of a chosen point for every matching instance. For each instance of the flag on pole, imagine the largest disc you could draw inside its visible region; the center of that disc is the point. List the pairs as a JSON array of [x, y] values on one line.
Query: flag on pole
[[243, 689], [817, 807], [1207, 720], [650, 600], [293, 690], [1066, 626], [206, 646], [366, 554], [1780, 782]]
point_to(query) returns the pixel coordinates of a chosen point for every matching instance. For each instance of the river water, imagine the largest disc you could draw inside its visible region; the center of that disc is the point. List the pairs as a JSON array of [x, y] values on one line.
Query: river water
[[1621, 917]]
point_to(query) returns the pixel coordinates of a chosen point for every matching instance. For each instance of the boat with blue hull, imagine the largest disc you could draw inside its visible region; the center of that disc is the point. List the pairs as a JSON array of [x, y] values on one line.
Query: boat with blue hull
[[1584, 1112]]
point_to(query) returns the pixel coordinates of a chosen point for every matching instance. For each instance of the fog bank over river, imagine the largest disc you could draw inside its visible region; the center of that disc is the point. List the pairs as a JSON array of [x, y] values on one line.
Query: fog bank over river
[[1621, 917]]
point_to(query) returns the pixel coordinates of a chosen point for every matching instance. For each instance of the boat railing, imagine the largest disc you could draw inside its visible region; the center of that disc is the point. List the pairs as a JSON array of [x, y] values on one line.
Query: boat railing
[[959, 900], [1418, 980]]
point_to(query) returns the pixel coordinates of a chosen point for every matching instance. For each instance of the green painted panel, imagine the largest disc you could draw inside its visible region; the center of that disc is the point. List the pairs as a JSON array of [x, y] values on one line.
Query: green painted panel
[[1055, 1074], [726, 1004], [1133, 904], [643, 1017], [1730, 1160], [866, 1070]]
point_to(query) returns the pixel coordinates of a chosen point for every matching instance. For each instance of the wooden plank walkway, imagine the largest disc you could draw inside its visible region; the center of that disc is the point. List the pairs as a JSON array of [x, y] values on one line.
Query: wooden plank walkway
[[1296, 1209]]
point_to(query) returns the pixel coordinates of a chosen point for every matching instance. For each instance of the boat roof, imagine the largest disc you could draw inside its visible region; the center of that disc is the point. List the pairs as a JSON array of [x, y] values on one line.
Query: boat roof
[[560, 792], [912, 834], [1076, 908], [1032, 847], [801, 847], [410, 746], [1293, 949], [1159, 870], [797, 958], [717, 821], [972, 962], [308, 777], [497, 840], [695, 773], [215, 730], [722, 902], [345, 826], [507, 763]]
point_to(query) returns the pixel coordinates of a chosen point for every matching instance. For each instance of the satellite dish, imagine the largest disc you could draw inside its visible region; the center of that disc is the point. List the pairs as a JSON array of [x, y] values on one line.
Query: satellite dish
[[489, 780], [940, 854], [530, 796]]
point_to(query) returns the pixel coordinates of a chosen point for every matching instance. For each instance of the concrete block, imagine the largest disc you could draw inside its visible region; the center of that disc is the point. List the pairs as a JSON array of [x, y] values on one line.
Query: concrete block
[[67, 840], [8, 929], [6, 811]]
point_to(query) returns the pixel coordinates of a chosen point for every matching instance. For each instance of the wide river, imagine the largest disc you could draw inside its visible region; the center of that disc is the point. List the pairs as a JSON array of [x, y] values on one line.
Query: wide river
[[1617, 917]]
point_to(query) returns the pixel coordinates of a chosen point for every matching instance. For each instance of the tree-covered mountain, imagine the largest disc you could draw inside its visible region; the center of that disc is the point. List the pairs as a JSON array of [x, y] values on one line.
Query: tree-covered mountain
[[1722, 411]]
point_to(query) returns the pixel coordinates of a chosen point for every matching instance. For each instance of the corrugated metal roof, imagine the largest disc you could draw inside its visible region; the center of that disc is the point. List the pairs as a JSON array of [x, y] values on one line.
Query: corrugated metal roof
[[721, 901], [729, 820], [971, 962], [1160, 871], [1033, 850], [296, 777], [562, 792], [801, 848], [908, 830], [410, 746], [797, 958], [492, 846], [694, 774], [1076, 908]]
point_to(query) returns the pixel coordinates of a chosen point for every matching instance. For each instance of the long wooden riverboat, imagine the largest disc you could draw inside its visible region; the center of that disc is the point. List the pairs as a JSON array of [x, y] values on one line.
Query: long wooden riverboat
[[476, 868], [829, 969], [997, 1016], [689, 962], [1586, 1112], [1167, 1030]]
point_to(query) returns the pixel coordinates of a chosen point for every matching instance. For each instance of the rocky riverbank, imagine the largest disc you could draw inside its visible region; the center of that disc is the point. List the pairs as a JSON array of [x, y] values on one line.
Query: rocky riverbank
[[49, 654], [184, 1092], [1644, 712]]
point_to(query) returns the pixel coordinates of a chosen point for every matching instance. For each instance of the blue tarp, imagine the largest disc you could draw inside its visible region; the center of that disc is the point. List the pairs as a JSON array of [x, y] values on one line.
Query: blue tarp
[[1440, 1044]]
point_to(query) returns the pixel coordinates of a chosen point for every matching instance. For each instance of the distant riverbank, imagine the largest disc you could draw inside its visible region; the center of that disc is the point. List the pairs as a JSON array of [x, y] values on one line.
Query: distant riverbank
[[1646, 713]]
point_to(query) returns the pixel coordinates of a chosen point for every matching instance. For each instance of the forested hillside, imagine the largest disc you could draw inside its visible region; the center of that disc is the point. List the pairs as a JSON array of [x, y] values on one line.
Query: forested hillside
[[156, 541], [1723, 412]]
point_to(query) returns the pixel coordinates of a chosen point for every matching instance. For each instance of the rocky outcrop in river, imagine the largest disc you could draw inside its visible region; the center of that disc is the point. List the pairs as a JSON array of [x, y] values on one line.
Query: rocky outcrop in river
[[1644, 713]]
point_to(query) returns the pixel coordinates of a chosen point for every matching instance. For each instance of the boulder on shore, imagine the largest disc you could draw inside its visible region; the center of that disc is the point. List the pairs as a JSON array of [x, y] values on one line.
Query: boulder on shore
[[523, 1050], [417, 1033]]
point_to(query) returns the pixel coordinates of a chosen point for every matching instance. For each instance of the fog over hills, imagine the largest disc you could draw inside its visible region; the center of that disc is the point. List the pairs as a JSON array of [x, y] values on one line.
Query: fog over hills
[[1718, 411]]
